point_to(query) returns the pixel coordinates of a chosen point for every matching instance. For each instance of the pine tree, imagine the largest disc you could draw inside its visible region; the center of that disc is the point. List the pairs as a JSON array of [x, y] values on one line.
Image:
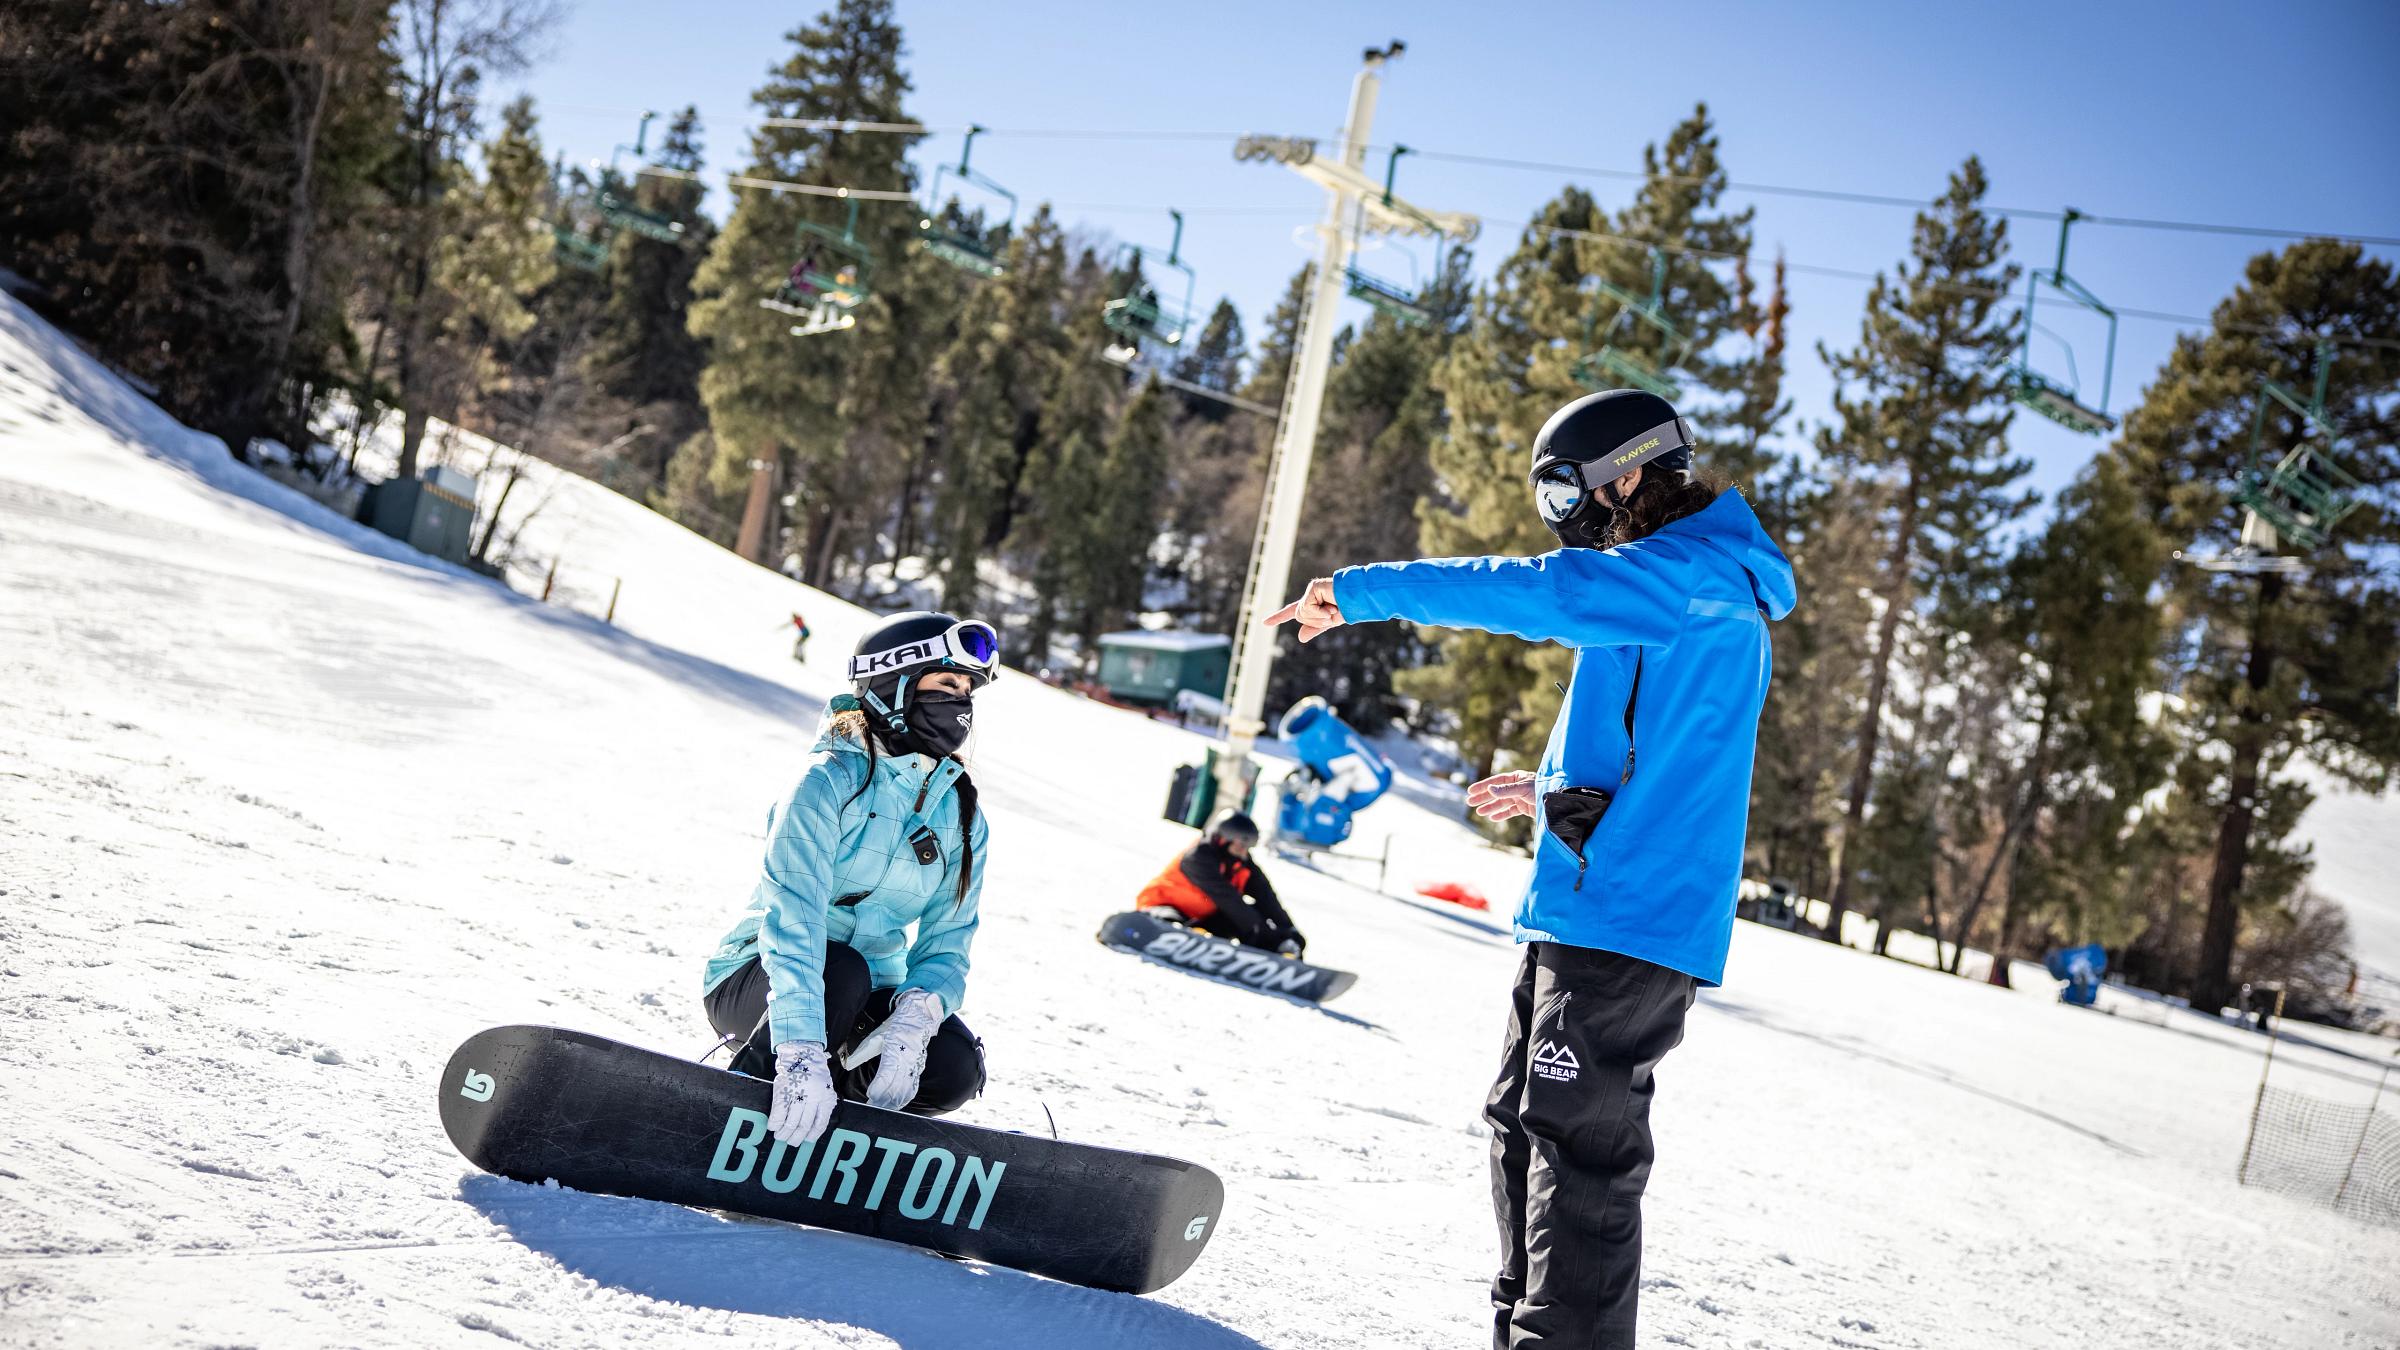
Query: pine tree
[[499, 254], [1062, 495], [2077, 603], [1921, 419], [448, 48], [1502, 377], [2295, 666], [215, 277], [1673, 235], [987, 386], [823, 402], [1133, 483], [644, 355], [1373, 469]]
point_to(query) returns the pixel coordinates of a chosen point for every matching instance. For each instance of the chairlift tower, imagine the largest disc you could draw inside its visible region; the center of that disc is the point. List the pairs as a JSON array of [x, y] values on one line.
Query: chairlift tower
[[1354, 204]]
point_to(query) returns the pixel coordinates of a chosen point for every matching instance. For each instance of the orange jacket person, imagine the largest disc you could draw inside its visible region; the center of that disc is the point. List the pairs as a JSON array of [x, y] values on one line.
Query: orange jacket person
[[1216, 888]]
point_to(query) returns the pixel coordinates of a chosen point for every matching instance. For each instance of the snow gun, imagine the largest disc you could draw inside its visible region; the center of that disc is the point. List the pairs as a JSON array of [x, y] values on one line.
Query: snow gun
[[1339, 775], [2081, 968]]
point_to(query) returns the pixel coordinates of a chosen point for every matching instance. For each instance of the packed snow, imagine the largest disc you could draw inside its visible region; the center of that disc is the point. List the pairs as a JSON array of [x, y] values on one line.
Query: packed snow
[[287, 811]]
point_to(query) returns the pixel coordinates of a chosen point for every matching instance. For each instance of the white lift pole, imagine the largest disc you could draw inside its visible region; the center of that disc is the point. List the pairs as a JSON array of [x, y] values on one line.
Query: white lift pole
[[1352, 202]]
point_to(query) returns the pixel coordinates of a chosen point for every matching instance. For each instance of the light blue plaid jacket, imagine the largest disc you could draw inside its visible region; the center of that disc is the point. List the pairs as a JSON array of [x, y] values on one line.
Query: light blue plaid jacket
[[840, 867]]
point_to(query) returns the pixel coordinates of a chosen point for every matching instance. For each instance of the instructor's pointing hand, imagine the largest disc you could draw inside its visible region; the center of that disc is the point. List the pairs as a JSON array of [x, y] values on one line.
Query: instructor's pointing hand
[[1315, 610]]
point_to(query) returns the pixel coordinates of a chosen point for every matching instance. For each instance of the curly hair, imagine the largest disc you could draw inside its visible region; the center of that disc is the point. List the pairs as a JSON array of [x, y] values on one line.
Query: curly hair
[[1653, 508]]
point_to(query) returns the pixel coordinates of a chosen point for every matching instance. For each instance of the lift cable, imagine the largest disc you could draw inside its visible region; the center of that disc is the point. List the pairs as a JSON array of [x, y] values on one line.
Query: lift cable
[[1916, 203], [1545, 166], [1853, 274]]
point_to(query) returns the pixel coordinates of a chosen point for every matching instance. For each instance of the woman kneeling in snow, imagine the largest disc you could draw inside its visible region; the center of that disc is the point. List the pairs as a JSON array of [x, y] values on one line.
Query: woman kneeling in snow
[[881, 835]]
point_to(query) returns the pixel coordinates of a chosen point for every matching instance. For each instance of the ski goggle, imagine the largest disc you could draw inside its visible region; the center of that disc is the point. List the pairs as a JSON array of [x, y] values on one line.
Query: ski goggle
[[1559, 490], [970, 645]]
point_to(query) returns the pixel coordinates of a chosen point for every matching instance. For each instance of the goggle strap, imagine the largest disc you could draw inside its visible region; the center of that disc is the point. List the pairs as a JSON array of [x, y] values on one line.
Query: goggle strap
[[1633, 454], [943, 647]]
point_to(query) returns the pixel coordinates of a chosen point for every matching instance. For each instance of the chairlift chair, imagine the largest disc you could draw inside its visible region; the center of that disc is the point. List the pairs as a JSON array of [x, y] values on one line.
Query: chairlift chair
[[578, 233], [966, 250], [2304, 493], [2061, 400], [832, 274], [1411, 304], [616, 201], [1615, 365], [1141, 314]]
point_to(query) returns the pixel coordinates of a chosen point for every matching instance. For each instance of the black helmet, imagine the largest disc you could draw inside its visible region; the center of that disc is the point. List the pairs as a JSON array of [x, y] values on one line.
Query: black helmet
[[1590, 443], [1234, 827], [886, 662]]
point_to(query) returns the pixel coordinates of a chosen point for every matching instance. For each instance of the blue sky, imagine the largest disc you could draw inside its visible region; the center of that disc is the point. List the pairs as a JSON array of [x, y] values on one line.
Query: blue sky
[[2276, 115]]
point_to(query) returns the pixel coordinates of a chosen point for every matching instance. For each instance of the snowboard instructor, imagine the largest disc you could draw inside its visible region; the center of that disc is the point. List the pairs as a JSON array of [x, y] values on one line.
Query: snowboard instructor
[[1663, 586], [880, 837]]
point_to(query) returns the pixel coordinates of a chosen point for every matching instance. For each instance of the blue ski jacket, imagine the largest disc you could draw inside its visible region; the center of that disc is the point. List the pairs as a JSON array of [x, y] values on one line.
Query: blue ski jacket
[[1689, 606], [841, 867]]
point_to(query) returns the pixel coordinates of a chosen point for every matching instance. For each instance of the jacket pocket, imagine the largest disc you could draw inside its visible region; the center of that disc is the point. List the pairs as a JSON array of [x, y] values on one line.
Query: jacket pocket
[[1573, 814]]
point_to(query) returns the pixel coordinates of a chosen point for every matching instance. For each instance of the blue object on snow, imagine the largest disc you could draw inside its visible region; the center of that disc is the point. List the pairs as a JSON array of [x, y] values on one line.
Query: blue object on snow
[[1339, 775], [2081, 967]]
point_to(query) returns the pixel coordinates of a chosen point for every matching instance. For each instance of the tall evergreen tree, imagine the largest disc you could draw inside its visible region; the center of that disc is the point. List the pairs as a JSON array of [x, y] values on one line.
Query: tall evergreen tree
[[498, 255], [818, 401], [1373, 469], [644, 354], [1502, 377], [1063, 491], [214, 276], [1921, 417], [2294, 666], [988, 385], [447, 49]]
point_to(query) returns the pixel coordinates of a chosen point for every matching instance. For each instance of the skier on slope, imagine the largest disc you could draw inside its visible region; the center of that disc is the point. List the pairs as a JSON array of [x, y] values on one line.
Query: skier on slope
[[880, 836], [1217, 887], [1663, 586]]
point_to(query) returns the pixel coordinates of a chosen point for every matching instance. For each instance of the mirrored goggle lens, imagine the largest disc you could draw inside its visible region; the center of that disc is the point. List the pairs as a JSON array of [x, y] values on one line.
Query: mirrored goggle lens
[[1558, 492], [978, 643]]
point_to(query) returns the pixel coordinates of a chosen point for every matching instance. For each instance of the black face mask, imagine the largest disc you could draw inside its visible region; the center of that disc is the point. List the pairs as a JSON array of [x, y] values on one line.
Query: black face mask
[[1591, 526], [936, 724]]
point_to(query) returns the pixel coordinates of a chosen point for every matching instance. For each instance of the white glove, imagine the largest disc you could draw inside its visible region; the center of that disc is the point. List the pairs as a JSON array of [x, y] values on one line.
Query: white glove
[[900, 1042], [803, 1093]]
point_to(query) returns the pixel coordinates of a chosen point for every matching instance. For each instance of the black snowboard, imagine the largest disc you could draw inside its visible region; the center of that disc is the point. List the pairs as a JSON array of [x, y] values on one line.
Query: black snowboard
[[1162, 940], [538, 1103]]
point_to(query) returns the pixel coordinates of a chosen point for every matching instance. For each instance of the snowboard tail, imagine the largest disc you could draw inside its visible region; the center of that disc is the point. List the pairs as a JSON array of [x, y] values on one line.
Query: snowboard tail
[[539, 1103], [1176, 945]]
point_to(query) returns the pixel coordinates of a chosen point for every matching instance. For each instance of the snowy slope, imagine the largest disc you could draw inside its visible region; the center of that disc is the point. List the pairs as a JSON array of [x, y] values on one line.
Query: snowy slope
[[285, 813]]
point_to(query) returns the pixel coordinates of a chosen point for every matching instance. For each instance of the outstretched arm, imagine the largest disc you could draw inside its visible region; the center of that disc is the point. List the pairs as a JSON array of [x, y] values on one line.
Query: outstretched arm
[[1580, 597]]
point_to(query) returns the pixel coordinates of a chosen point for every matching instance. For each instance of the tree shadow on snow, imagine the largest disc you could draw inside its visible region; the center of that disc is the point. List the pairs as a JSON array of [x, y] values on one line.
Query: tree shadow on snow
[[924, 1302], [1757, 1018]]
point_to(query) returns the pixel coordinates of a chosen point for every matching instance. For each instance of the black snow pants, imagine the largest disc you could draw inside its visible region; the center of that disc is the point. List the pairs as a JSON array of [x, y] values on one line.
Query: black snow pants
[[1571, 1150], [737, 1008]]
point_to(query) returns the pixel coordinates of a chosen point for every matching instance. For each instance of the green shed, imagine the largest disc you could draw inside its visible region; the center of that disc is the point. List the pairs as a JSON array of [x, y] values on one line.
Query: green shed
[[1152, 668]]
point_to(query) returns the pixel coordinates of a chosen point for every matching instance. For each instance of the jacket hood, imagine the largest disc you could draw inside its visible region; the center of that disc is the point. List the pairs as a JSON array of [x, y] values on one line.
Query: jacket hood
[[1731, 526]]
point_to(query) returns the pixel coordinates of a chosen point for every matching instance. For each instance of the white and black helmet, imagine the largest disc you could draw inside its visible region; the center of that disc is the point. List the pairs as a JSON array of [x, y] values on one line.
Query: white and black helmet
[[888, 659]]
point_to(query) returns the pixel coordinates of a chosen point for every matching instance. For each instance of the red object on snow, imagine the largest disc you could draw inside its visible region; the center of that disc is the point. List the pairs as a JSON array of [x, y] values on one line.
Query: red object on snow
[[1465, 897]]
